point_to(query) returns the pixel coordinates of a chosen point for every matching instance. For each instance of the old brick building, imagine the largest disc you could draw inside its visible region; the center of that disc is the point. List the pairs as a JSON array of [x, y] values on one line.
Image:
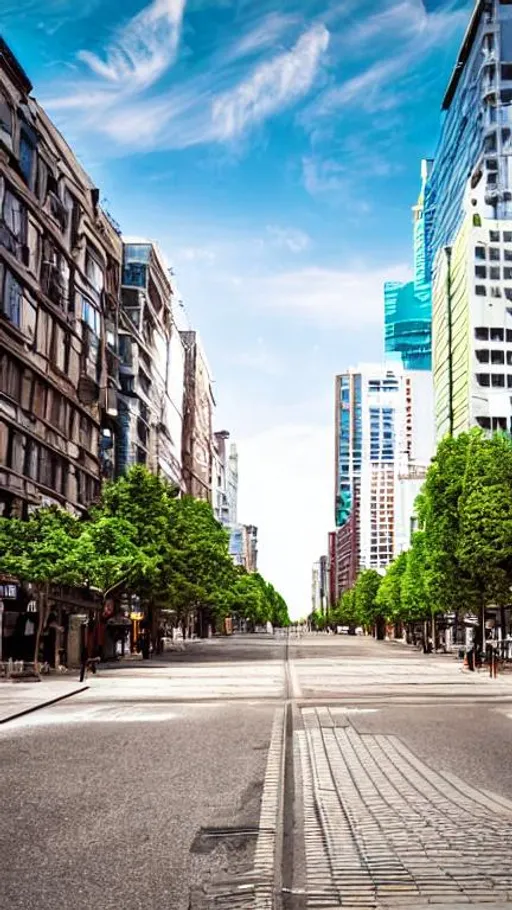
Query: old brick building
[[60, 262]]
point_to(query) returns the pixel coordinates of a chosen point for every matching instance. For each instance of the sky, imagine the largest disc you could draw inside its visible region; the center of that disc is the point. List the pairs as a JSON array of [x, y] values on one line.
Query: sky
[[272, 149]]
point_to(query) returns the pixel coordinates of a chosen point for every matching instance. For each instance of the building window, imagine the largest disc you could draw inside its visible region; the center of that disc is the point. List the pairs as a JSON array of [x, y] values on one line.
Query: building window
[[5, 123], [483, 356], [483, 379], [480, 271], [507, 273], [27, 155], [480, 290], [12, 298], [94, 272], [484, 422], [509, 382], [498, 381], [507, 235], [494, 253], [497, 334], [479, 252], [494, 272], [482, 333], [499, 423], [15, 216], [497, 356], [494, 236], [10, 378]]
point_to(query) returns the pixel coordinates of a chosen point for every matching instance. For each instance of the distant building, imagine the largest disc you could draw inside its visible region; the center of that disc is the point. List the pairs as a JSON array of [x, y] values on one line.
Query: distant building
[[151, 366], [384, 440], [198, 408], [224, 479], [243, 546]]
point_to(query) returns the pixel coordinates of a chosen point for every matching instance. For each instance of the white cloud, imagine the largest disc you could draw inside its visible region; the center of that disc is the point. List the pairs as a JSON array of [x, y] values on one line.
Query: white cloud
[[291, 239], [195, 254], [291, 503], [406, 27], [347, 298], [143, 49], [324, 176], [265, 34], [273, 85]]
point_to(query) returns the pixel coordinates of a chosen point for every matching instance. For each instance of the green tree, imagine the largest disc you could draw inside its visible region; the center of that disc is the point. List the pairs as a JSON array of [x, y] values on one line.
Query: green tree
[[346, 613], [484, 544], [366, 589], [389, 595], [448, 584], [39, 551], [414, 583]]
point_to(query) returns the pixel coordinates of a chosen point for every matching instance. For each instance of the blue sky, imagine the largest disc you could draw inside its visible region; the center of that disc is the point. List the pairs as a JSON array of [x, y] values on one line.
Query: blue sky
[[273, 150]]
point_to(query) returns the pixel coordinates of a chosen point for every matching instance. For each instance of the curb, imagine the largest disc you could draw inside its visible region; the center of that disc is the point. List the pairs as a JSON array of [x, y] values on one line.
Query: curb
[[44, 704]]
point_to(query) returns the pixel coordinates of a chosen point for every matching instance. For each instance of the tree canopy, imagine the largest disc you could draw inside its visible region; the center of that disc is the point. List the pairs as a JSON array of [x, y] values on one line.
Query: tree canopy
[[144, 539]]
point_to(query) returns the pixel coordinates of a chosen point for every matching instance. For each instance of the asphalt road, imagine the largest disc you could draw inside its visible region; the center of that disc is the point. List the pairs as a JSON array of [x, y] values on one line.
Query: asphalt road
[[147, 787]]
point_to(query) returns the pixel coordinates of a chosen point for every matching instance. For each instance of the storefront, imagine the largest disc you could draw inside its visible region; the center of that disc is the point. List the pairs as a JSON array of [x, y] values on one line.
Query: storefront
[[68, 609]]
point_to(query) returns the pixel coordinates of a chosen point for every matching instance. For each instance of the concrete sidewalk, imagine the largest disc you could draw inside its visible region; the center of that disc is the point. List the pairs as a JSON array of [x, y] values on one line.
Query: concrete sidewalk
[[18, 698]]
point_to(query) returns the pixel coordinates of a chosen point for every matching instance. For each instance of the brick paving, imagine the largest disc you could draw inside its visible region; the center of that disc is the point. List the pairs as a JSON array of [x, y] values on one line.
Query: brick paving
[[383, 829]]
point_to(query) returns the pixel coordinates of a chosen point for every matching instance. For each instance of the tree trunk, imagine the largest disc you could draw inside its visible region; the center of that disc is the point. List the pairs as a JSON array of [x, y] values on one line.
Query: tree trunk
[[42, 602]]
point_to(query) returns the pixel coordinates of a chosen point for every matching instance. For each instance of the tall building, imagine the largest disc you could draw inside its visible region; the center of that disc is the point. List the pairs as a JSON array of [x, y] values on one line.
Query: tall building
[[224, 479], [243, 546], [151, 366], [408, 307], [383, 447], [469, 238], [198, 408], [60, 262]]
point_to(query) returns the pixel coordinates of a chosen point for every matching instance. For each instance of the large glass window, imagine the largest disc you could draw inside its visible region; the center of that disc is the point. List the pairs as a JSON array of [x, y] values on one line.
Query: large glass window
[[134, 275]]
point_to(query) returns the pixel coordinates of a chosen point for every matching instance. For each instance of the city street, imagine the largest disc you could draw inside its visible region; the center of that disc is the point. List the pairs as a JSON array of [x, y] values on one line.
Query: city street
[[259, 772]]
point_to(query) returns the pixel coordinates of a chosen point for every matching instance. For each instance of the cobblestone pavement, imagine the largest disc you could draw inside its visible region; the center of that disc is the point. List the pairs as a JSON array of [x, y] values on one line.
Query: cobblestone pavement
[[383, 829]]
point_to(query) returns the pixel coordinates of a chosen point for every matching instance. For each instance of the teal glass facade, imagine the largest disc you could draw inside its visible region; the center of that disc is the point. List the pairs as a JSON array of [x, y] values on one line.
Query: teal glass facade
[[408, 307]]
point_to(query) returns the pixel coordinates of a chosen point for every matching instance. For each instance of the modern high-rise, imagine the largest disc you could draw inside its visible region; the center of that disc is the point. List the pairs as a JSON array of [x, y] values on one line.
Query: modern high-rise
[[469, 235], [383, 438], [408, 307]]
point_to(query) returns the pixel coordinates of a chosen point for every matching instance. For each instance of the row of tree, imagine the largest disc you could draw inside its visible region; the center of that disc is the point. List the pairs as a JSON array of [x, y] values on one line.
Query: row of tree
[[143, 539], [460, 559]]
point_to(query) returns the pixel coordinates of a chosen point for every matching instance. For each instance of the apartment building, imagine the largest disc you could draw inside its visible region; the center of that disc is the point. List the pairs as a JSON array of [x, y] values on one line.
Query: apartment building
[[60, 261], [152, 363]]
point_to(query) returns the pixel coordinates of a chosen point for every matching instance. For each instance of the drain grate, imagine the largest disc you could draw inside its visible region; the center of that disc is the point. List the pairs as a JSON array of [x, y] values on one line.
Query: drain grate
[[209, 839]]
